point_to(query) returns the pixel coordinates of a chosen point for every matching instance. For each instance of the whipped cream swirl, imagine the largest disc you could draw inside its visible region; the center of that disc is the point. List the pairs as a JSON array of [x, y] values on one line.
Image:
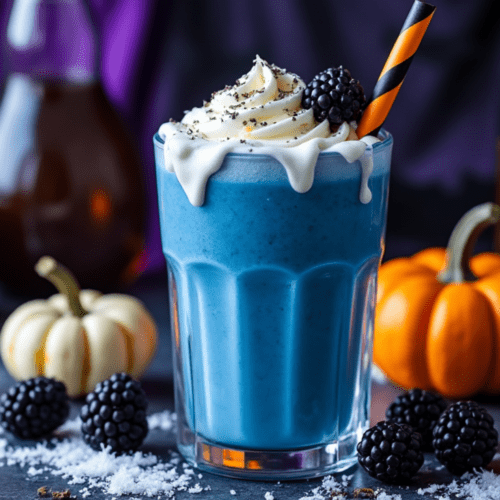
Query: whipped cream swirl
[[261, 113], [263, 105]]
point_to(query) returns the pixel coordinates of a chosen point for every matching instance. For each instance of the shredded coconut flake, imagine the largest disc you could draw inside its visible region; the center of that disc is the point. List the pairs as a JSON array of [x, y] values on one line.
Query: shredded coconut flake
[[195, 489], [330, 489], [484, 485], [164, 421], [382, 495], [146, 475], [69, 457]]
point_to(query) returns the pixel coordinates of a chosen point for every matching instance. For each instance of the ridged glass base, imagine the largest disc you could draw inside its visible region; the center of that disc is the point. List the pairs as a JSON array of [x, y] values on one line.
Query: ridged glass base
[[272, 465]]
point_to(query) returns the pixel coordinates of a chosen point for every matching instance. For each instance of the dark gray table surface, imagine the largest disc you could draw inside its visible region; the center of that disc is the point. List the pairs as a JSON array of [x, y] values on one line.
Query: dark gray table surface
[[16, 484]]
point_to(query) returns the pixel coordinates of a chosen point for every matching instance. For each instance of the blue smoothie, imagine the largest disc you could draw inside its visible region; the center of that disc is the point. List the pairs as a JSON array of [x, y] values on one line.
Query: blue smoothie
[[272, 297]]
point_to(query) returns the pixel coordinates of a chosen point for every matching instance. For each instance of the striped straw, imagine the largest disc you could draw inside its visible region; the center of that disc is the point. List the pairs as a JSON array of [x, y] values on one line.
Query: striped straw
[[395, 69]]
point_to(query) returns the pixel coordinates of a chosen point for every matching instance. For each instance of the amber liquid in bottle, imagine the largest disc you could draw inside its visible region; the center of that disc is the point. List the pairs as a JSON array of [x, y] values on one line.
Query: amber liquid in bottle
[[70, 178], [78, 194]]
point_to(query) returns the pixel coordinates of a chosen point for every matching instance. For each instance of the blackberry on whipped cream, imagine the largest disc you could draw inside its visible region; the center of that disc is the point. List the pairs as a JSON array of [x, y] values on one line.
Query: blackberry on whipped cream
[[262, 113], [263, 105], [335, 96]]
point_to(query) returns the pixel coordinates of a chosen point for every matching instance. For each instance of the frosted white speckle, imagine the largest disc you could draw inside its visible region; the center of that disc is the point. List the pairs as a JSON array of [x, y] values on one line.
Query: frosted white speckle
[[386, 496], [195, 489], [32, 471], [485, 485], [330, 489], [140, 474], [165, 420]]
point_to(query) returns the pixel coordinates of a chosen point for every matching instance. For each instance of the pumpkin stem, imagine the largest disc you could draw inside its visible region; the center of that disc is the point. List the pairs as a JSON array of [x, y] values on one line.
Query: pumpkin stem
[[63, 280], [463, 240]]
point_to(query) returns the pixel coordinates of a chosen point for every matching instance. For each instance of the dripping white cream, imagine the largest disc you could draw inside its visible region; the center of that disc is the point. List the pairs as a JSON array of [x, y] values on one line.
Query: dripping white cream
[[261, 113]]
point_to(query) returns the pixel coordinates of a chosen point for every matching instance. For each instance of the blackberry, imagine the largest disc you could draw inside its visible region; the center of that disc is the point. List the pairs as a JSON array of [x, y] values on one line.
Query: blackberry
[[391, 452], [334, 95], [419, 409], [114, 415], [464, 437], [34, 408]]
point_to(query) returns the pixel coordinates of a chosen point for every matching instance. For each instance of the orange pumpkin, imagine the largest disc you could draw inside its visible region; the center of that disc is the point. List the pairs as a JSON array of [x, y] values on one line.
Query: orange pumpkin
[[437, 321]]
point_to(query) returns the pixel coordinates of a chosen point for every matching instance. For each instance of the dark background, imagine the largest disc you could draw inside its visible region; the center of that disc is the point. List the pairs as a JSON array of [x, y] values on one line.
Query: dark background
[[161, 57]]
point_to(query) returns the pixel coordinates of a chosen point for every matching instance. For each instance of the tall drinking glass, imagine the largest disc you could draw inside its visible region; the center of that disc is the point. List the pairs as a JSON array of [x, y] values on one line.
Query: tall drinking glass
[[272, 297]]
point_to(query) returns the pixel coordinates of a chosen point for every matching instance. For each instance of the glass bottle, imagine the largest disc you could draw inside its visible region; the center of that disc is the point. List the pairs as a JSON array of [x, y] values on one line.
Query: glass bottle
[[70, 178]]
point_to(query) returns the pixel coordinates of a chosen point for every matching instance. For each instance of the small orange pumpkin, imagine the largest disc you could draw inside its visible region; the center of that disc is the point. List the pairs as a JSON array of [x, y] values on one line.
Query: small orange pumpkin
[[437, 321]]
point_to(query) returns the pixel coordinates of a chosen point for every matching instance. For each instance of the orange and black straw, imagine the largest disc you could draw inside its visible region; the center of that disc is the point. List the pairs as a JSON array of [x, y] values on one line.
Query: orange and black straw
[[395, 69]]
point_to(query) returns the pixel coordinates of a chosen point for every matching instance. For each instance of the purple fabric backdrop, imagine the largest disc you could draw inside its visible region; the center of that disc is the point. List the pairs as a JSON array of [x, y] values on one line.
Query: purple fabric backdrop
[[162, 57]]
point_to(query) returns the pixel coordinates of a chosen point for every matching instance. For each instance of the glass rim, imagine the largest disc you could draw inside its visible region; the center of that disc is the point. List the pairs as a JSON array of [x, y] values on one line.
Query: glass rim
[[384, 135]]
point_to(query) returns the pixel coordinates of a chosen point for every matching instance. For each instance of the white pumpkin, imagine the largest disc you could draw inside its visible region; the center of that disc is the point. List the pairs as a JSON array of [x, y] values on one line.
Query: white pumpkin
[[79, 337]]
